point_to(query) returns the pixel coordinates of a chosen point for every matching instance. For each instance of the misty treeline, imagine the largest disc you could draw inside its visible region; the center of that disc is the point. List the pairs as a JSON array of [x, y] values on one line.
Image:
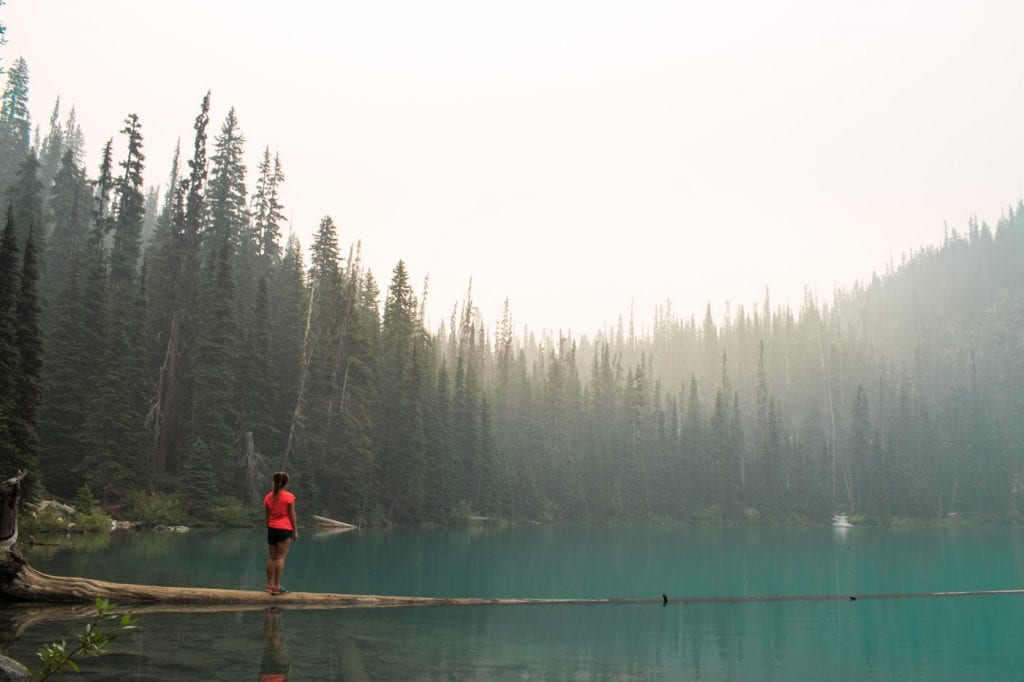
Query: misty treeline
[[177, 345]]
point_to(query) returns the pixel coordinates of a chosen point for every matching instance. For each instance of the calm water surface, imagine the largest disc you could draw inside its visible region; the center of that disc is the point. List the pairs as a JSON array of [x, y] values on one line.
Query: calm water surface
[[964, 638]]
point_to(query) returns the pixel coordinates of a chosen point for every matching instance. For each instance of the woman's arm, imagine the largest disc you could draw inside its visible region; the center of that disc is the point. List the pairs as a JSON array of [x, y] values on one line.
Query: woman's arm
[[295, 521], [266, 515]]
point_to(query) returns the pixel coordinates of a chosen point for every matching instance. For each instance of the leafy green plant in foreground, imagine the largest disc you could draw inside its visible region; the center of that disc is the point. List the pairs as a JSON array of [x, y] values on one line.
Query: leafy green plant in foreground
[[57, 657]]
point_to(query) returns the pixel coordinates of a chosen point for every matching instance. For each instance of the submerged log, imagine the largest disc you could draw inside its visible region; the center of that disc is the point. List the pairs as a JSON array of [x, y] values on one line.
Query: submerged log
[[325, 522]]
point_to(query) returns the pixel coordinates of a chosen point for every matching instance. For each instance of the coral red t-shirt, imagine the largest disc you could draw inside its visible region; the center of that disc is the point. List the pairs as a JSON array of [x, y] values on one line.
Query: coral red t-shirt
[[279, 517]]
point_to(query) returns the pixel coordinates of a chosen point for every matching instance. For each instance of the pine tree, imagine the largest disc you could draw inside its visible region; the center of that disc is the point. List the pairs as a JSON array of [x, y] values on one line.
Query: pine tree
[[15, 125], [350, 471], [115, 423], [10, 363], [288, 305], [52, 150], [130, 211], [226, 201], [311, 447], [74, 138], [215, 414], [465, 430], [68, 206], [266, 208], [151, 212], [63, 413], [22, 426], [163, 260], [255, 384], [26, 197], [104, 186], [199, 479], [441, 494], [860, 449], [400, 446], [173, 401]]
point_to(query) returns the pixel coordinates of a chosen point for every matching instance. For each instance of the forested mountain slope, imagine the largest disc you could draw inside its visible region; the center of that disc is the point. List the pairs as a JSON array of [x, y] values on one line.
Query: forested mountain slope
[[173, 350]]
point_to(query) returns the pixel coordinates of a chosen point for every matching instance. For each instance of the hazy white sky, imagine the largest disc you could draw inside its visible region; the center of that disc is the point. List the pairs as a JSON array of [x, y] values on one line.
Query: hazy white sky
[[575, 156]]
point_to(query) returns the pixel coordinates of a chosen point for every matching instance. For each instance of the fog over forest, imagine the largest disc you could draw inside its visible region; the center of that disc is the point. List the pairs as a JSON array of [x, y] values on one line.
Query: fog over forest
[[169, 349]]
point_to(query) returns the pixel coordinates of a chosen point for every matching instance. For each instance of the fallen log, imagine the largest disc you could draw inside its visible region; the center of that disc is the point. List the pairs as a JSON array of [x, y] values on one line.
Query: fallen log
[[325, 522], [21, 582]]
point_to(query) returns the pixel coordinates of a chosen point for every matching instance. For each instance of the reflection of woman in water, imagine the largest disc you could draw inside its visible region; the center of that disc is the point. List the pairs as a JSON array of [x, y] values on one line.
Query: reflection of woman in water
[[275, 665], [282, 528]]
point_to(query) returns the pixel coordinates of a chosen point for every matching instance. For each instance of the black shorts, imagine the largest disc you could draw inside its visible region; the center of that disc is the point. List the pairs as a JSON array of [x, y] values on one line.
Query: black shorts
[[276, 535]]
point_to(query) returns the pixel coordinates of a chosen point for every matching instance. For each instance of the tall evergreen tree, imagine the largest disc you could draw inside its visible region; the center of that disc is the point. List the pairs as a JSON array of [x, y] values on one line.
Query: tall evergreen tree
[[173, 401], [288, 307], [64, 411], [266, 207], [26, 197], [226, 200], [10, 362], [163, 269], [68, 218], [400, 446], [52, 149], [441, 494], [115, 423], [22, 425], [214, 410], [104, 187], [130, 210], [255, 385], [15, 124]]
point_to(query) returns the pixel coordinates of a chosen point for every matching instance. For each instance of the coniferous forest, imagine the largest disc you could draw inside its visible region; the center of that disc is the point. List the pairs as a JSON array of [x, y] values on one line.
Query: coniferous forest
[[169, 345]]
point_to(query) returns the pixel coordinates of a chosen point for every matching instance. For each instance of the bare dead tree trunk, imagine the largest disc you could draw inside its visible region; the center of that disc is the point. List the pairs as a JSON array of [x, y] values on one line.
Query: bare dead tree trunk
[[254, 468], [9, 509], [166, 411], [307, 354]]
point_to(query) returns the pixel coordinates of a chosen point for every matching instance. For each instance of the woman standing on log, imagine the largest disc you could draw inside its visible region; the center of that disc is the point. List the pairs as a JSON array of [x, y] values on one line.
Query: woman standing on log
[[282, 528]]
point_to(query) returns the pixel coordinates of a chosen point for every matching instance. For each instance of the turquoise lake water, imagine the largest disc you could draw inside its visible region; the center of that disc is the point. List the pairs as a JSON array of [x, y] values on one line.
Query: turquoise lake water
[[962, 638]]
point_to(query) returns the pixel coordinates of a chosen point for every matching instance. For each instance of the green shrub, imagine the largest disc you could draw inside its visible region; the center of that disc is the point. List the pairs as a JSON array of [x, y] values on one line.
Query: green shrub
[[710, 515], [93, 521], [87, 518], [47, 521], [227, 511], [752, 515], [460, 513], [376, 518], [154, 509], [84, 500]]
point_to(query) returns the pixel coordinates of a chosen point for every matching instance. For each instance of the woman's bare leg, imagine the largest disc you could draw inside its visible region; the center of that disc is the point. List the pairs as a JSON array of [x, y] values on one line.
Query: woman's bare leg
[[278, 562], [271, 559]]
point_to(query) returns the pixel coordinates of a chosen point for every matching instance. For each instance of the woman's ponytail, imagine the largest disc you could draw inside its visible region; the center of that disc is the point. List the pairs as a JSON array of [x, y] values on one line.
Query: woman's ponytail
[[280, 481]]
